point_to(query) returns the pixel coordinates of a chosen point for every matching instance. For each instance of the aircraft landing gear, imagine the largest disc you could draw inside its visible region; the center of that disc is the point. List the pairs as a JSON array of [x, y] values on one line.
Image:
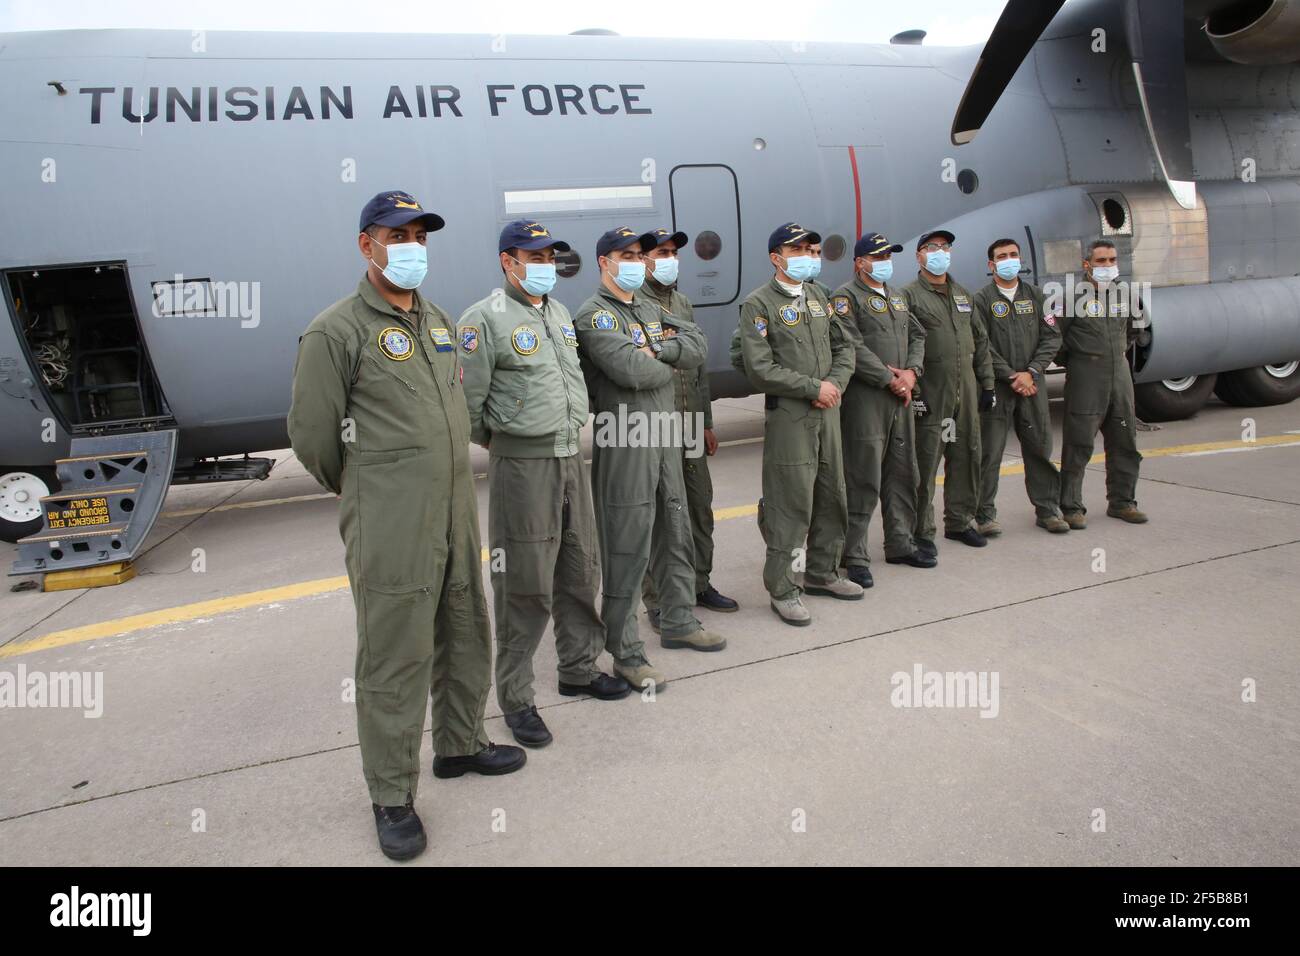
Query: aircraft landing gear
[[21, 490]]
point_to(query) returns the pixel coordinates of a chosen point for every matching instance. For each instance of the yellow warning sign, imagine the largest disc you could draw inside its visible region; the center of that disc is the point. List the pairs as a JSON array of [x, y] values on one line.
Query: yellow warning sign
[[78, 513]]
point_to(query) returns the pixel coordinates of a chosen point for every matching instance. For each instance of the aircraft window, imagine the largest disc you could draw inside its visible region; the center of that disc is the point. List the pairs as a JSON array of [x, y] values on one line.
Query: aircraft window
[[967, 181], [707, 245], [833, 248], [567, 264], [1114, 213], [519, 202]]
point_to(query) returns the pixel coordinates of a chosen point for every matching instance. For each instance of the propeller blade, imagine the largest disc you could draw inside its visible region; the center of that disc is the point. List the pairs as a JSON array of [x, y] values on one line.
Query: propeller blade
[[1018, 29], [1155, 44]]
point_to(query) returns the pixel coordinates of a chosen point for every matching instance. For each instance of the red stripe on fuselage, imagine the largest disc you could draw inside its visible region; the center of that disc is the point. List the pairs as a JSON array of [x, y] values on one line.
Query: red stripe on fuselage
[[857, 194]]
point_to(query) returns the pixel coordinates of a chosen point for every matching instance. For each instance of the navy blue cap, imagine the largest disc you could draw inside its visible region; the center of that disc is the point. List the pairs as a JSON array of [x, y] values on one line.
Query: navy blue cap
[[621, 238], [660, 236], [927, 236], [790, 233], [396, 208], [527, 234], [874, 244]]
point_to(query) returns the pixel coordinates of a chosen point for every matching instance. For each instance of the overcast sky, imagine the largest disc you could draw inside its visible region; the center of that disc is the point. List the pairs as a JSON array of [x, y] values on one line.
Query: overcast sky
[[948, 22]]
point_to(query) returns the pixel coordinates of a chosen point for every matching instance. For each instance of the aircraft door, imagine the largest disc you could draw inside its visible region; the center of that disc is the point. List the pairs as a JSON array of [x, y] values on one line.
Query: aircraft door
[[706, 206]]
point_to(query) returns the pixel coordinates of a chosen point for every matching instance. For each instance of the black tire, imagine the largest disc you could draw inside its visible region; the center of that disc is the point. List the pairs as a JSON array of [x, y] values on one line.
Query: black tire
[[1157, 402], [1258, 386], [12, 531]]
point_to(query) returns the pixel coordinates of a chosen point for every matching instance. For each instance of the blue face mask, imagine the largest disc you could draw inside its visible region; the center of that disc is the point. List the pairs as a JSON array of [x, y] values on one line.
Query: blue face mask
[[631, 276], [882, 271], [665, 271], [407, 264], [799, 268], [937, 263], [816, 268], [539, 277], [1008, 269]]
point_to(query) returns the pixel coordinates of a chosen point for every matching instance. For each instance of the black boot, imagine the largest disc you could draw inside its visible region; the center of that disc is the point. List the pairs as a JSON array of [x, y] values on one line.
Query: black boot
[[491, 761], [401, 834], [860, 575], [602, 687], [714, 601], [529, 728]]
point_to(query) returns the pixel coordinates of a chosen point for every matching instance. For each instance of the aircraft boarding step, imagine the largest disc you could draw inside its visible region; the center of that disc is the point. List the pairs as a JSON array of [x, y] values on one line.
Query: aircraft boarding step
[[113, 488]]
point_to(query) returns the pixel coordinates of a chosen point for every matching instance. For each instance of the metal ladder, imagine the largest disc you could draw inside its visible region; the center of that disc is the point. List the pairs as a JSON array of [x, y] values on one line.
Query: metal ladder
[[113, 489]]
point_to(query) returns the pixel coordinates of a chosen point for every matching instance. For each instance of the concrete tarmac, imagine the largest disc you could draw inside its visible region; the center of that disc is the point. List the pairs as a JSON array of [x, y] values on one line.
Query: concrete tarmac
[[1139, 701]]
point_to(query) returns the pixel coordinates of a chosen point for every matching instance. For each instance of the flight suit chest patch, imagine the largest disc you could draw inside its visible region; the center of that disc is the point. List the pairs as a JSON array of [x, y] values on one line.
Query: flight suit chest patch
[[789, 315], [815, 308], [570, 335], [1024, 307], [441, 340], [605, 321], [655, 330], [897, 302], [1000, 309], [962, 303], [877, 304], [525, 340], [396, 344], [1092, 308]]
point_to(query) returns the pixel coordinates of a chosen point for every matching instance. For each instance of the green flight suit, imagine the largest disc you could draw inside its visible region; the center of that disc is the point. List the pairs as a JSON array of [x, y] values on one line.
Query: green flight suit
[[691, 395], [636, 476], [1022, 338], [789, 346], [957, 368], [527, 402], [879, 431], [1099, 397], [378, 418]]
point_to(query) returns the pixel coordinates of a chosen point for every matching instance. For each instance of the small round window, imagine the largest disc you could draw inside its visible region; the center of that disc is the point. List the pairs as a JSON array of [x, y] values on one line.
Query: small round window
[[833, 248], [567, 264], [967, 181], [707, 245]]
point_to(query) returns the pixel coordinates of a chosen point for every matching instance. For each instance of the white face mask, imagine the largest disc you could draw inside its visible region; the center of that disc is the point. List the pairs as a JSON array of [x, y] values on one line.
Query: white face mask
[[1105, 273]]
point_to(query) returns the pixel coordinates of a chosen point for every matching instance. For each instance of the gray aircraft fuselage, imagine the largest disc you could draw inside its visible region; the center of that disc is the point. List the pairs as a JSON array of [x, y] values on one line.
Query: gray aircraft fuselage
[[245, 158]]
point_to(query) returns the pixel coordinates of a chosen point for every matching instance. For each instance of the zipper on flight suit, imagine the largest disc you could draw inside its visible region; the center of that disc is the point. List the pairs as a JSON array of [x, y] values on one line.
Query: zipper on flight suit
[[559, 363]]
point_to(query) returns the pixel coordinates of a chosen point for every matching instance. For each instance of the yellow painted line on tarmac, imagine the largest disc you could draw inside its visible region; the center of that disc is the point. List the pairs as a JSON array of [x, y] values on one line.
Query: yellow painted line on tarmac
[[239, 602], [174, 615]]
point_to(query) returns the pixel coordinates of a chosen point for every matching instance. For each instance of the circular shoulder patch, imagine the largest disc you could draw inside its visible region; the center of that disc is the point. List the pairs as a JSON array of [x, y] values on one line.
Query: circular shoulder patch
[[1000, 309], [524, 340], [877, 304], [606, 321], [396, 344], [789, 315]]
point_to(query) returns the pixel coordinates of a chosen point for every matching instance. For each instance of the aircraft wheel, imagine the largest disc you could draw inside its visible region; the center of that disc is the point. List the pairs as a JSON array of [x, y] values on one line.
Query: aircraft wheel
[[20, 500], [1173, 398], [1267, 385]]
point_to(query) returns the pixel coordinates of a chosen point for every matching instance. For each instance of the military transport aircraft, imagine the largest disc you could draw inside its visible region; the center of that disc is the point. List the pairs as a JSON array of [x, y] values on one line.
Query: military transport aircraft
[[178, 206]]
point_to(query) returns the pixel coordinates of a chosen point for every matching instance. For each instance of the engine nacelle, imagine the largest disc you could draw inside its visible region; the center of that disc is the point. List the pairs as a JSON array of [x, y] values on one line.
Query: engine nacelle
[[1256, 32]]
